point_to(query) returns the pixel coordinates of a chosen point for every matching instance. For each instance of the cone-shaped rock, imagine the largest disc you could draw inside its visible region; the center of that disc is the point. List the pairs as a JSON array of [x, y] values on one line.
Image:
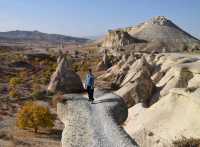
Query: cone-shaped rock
[[65, 79]]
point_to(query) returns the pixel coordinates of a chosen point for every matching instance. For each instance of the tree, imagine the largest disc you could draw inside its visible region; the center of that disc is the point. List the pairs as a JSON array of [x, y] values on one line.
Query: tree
[[34, 115], [13, 86]]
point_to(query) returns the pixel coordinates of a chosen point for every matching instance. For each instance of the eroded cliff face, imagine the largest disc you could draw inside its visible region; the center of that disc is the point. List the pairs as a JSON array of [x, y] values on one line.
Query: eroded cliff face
[[118, 38]]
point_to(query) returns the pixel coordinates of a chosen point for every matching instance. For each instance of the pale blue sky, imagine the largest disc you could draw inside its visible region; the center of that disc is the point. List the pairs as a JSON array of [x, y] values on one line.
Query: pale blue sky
[[94, 17]]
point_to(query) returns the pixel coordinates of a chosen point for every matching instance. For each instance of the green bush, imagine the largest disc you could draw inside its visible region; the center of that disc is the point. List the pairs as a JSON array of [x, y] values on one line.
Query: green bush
[[33, 115]]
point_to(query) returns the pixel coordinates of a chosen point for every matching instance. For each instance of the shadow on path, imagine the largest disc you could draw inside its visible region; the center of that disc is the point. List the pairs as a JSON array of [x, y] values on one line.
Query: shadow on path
[[106, 100]]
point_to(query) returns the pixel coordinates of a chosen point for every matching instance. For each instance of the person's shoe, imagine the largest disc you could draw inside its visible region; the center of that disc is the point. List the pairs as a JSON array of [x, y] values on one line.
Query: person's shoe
[[92, 101], [89, 100]]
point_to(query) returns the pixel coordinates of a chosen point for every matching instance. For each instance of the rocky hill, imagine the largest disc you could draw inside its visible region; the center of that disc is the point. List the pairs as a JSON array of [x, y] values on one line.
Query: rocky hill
[[23, 36], [157, 34]]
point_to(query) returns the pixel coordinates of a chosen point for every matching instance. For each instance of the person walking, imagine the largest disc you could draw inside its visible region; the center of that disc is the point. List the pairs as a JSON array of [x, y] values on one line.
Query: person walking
[[89, 84]]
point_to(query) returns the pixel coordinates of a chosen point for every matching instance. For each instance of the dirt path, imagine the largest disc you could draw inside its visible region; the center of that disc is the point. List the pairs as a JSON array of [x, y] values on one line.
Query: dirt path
[[94, 125]]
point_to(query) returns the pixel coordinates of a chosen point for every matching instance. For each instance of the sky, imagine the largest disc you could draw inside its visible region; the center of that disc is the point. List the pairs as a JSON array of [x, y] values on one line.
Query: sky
[[94, 17]]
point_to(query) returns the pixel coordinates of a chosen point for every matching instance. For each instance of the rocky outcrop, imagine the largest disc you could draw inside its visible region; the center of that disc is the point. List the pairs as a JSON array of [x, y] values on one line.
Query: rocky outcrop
[[118, 38], [95, 125], [64, 79]]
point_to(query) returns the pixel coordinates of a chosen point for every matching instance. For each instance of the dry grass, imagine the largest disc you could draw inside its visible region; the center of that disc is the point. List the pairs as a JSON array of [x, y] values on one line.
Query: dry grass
[[187, 142]]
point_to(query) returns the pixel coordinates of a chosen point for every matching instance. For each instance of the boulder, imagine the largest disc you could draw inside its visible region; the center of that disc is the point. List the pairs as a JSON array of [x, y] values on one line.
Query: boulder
[[64, 79], [179, 77], [172, 117]]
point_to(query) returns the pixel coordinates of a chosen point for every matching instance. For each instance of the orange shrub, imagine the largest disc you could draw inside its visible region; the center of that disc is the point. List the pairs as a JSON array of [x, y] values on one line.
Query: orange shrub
[[33, 115]]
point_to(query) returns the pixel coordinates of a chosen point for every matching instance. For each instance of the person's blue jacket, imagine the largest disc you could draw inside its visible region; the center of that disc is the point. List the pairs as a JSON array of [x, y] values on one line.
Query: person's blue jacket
[[89, 80]]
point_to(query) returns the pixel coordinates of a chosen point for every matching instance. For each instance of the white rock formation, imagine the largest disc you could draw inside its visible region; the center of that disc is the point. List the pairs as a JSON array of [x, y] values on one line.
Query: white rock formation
[[172, 117], [175, 111], [118, 38], [137, 85]]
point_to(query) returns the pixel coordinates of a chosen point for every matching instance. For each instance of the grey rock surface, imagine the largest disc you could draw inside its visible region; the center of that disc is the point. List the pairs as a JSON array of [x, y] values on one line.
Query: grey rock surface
[[65, 79], [105, 63], [94, 125]]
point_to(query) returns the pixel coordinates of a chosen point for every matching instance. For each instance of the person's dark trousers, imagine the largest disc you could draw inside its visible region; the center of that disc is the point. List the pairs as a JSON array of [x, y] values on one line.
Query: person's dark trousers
[[90, 92]]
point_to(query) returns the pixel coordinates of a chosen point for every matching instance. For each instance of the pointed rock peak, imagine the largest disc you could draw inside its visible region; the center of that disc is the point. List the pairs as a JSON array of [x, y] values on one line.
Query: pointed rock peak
[[65, 79], [161, 20]]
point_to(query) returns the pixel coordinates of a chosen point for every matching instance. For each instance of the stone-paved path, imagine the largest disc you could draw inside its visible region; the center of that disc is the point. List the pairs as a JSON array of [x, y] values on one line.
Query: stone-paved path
[[94, 125]]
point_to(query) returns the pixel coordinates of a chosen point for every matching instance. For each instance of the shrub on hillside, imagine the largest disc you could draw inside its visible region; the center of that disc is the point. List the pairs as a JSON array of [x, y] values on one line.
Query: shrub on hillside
[[187, 142], [14, 82], [85, 67], [35, 116], [37, 92], [13, 86], [56, 99]]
